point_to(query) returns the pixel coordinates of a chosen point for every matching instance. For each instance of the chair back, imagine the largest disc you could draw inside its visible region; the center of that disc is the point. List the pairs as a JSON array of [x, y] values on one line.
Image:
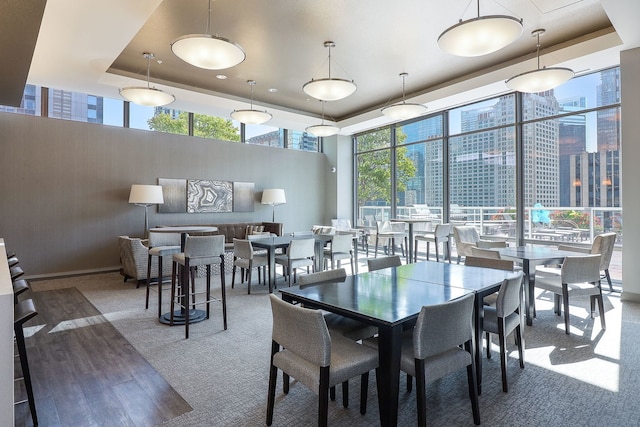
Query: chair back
[[341, 224], [603, 244], [301, 331], [485, 253], [442, 230], [465, 234], [509, 296], [341, 243], [302, 233], [204, 246], [301, 248], [384, 262], [242, 249], [580, 269], [322, 276], [163, 239], [398, 227], [498, 264], [442, 327], [491, 244]]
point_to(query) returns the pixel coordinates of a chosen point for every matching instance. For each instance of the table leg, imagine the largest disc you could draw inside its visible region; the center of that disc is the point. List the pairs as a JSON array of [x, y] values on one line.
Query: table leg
[[410, 244], [478, 318], [388, 380], [271, 259], [318, 264], [529, 296], [355, 256]]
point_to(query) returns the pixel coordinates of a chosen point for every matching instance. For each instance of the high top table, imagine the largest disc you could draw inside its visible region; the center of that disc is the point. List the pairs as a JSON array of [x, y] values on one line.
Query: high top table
[[179, 316], [393, 297], [530, 256], [411, 222]]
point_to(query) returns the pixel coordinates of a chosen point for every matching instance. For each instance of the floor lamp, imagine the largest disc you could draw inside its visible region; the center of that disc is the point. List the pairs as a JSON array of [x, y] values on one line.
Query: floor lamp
[[145, 196], [273, 197]]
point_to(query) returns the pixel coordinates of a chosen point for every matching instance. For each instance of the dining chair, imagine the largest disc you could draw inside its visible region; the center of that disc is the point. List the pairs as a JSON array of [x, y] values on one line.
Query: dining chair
[[350, 328], [341, 247], [441, 343], [603, 244], [466, 237], [300, 253], [386, 234], [503, 318], [198, 251], [437, 236], [161, 245], [485, 253], [495, 263], [386, 262], [302, 347], [245, 258], [579, 275]]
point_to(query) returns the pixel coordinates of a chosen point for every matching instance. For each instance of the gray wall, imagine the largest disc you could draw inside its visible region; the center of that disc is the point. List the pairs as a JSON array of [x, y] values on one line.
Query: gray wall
[[65, 185]]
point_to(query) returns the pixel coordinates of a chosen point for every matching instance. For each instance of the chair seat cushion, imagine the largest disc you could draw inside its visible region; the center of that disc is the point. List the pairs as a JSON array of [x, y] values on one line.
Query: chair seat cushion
[[196, 261], [490, 321], [554, 284], [258, 261], [348, 359], [295, 263], [164, 250]]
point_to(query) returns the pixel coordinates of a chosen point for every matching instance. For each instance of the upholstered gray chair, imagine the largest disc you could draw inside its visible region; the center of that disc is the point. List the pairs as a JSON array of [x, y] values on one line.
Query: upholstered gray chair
[[503, 318], [161, 245], [303, 348], [346, 326], [603, 244], [245, 258], [485, 253], [466, 237], [386, 262], [388, 234], [198, 251], [579, 275], [441, 343], [300, 253], [341, 247]]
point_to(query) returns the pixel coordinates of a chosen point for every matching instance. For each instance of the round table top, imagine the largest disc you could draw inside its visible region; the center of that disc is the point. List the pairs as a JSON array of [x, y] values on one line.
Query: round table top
[[184, 229]]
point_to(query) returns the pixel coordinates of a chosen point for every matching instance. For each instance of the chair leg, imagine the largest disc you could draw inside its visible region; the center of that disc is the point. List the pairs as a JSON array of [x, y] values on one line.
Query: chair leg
[[223, 292], [409, 383], [285, 383], [565, 302], [323, 397], [449, 251], [606, 273], [24, 364], [437, 252], [208, 292], [187, 295], [364, 390], [173, 292], [503, 354], [421, 399], [160, 278], [473, 389], [415, 251], [146, 304], [428, 250], [233, 274], [273, 377], [345, 394], [375, 253], [520, 337], [332, 392], [488, 336]]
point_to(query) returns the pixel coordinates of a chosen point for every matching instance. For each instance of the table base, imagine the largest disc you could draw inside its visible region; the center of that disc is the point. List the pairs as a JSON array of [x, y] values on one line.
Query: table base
[[179, 317]]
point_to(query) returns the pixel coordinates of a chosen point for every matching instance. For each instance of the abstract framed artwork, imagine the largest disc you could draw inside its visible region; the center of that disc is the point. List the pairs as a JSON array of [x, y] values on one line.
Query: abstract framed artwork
[[209, 196], [174, 192], [243, 196]]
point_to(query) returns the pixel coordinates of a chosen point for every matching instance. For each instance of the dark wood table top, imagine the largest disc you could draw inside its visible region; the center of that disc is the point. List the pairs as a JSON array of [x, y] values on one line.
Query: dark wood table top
[[534, 252]]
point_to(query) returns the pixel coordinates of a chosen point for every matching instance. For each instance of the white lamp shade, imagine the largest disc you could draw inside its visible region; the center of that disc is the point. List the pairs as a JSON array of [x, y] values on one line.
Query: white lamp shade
[[147, 96], [273, 196], [540, 80], [208, 51], [404, 111], [146, 194], [480, 36], [329, 89], [323, 130], [251, 117]]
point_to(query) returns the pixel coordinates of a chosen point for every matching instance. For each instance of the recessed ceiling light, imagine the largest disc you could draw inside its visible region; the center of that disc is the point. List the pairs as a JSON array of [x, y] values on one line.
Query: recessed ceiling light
[[221, 77], [272, 90]]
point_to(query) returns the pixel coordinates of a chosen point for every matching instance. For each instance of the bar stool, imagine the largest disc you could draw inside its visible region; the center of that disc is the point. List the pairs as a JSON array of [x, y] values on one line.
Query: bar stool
[[13, 261], [15, 271], [24, 311], [160, 245], [198, 251], [19, 286]]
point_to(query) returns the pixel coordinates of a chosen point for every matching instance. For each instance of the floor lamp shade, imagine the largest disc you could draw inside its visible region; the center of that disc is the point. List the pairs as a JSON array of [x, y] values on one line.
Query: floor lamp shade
[[145, 196], [273, 197]]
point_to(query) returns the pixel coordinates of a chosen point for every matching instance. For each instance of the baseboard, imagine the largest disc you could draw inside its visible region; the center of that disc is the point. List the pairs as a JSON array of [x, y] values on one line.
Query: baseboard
[[72, 273]]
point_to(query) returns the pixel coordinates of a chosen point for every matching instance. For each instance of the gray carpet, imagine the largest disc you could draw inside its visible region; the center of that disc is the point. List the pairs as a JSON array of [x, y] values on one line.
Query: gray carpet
[[589, 378]]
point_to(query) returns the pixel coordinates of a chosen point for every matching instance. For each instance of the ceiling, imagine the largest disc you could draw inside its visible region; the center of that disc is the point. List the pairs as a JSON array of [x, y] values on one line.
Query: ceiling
[[96, 47]]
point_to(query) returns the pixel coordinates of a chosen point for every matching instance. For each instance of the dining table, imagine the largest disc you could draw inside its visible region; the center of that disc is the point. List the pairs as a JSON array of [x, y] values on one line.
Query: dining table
[[391, 300], [530, 256], [180, 316]]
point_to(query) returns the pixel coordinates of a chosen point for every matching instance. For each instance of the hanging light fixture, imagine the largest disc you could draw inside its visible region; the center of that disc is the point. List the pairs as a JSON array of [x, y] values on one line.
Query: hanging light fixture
[[540, 79], [147, 96], [251, 116], [323, 129], [329, 89], [208, 51], [404, 110], [480, 36]]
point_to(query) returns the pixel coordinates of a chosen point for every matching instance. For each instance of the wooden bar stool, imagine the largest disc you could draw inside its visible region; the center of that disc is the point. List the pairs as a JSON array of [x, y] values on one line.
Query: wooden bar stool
[[24, 311]]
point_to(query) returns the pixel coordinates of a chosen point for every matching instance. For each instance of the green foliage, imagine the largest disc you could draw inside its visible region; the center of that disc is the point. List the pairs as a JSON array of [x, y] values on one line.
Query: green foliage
[[374, 168], [580, 219], [203, 126]]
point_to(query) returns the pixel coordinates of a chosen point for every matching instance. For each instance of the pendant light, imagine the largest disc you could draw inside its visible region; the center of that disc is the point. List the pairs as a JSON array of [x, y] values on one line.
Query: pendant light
[[322, 129], [404, 110], [251, 116], [480, 36], [208, 51], [540, 79], [147, 96], [329, 89]]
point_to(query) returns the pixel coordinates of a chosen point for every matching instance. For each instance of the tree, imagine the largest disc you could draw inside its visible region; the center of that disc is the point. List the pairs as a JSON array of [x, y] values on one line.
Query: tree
[[374, 167], [203, 126]]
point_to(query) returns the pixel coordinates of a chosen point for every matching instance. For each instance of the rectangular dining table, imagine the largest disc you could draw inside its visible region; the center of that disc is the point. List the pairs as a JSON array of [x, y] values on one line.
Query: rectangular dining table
[[391, 299], [530, 256]]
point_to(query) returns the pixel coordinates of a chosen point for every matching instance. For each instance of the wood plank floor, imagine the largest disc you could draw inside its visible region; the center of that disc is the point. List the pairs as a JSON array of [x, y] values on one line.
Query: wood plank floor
[[85, 373]]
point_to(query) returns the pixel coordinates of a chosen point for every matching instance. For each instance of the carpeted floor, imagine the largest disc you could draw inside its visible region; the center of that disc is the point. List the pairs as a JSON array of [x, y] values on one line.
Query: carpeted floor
[[591, 377]]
